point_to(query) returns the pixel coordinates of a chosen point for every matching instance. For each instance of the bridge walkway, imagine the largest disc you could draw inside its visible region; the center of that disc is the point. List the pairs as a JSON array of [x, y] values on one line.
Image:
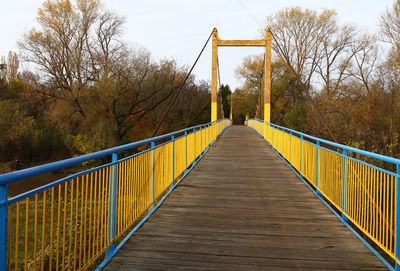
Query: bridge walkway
[[243, 208]]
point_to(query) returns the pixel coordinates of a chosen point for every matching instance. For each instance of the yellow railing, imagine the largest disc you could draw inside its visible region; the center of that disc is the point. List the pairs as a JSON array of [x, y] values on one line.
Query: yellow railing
[[73, 223], [362, 193]]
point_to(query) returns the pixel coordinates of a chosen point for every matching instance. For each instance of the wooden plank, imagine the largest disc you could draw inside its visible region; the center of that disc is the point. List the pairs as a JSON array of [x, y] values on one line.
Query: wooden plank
[[242, 208]]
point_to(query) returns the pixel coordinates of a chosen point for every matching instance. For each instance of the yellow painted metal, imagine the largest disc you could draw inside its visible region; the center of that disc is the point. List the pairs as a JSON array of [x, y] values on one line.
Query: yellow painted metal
[[43, 230], [64, 247], [16, 235], [58, 227], [66, 227], [51, 228], [309, 162], [372, 203], [238, 43], [231, 109], [217, 42], [214, 75], [267, 112], [370, 191], [286, 145], [330, 176], [9, 217], [295, 152], [26, 233], [190, 148], [267, 77]]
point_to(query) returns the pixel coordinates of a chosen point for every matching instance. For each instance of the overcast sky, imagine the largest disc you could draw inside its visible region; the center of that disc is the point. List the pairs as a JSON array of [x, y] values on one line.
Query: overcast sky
[[178, 28]]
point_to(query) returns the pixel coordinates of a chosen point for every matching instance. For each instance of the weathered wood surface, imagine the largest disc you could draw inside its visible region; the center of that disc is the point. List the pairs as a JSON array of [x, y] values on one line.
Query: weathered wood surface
[[242, 208]]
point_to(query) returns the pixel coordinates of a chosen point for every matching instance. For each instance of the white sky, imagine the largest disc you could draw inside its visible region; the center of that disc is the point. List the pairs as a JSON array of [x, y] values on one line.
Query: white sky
[[178, 28]]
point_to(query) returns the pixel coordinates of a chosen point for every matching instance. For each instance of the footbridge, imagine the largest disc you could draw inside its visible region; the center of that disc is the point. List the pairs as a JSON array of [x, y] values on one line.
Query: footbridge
[[210, 197]]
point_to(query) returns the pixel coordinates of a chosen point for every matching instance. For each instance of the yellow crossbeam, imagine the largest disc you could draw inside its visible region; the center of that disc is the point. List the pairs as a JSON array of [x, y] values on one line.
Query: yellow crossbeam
[[258, 43]]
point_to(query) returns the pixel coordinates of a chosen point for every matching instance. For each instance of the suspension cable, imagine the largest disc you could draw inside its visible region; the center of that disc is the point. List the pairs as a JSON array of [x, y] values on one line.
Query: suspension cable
[[219, 77], [174, 97], [219, 97], [262, 83]]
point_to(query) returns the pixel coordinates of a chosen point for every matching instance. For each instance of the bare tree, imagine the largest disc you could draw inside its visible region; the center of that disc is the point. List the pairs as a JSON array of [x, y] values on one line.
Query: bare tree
[[299, 36], [65, 46], [390, 25], [366, 60], [12, 65], [335, 56]]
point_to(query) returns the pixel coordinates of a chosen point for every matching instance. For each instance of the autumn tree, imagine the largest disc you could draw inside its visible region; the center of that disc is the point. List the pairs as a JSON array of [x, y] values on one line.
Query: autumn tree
[[12, 65], [3, 69], [225, 92], [72, 46], [299, 36], [98, 83], [251, 71]]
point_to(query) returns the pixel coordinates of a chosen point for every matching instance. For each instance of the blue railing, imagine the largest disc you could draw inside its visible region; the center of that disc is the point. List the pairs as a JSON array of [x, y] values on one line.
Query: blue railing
[[84, 218], [363, 194]]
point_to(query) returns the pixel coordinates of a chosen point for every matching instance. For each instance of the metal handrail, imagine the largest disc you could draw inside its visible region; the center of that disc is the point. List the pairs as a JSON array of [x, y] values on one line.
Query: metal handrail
[[337, 145], [38, 170]]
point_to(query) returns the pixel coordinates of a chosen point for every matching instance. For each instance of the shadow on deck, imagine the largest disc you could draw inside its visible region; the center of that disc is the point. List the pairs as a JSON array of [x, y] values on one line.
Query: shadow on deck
[[243, 208]]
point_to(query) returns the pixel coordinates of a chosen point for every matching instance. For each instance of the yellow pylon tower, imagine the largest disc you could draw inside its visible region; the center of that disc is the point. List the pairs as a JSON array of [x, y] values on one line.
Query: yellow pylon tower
[[266, 42]]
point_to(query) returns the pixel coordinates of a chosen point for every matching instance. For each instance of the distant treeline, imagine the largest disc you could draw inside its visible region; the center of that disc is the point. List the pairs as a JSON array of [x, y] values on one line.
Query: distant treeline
[[86, 89], [329, 79]]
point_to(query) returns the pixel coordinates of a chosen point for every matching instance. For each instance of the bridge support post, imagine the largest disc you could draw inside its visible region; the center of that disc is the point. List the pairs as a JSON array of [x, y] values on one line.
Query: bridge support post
[[214, 75], [397, 251], [216, 42], [231, 109], [267, 77], [3, 227], [113, 202]]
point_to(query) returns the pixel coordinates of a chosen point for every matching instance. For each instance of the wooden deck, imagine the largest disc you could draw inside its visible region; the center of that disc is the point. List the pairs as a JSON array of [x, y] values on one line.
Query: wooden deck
[[242, 208]]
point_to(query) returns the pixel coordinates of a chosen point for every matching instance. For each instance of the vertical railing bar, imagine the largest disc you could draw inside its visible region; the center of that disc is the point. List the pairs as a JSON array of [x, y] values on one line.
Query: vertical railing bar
[[153, 146], [194, 144], [344, 186], [301, 151], [269, 137], [209, 134], [316, 166], [283, 138], [186, 150], [3, 227], [173, 161], [290, 149], [201, 140], [397, 236], [113, 201], [273, 135]]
